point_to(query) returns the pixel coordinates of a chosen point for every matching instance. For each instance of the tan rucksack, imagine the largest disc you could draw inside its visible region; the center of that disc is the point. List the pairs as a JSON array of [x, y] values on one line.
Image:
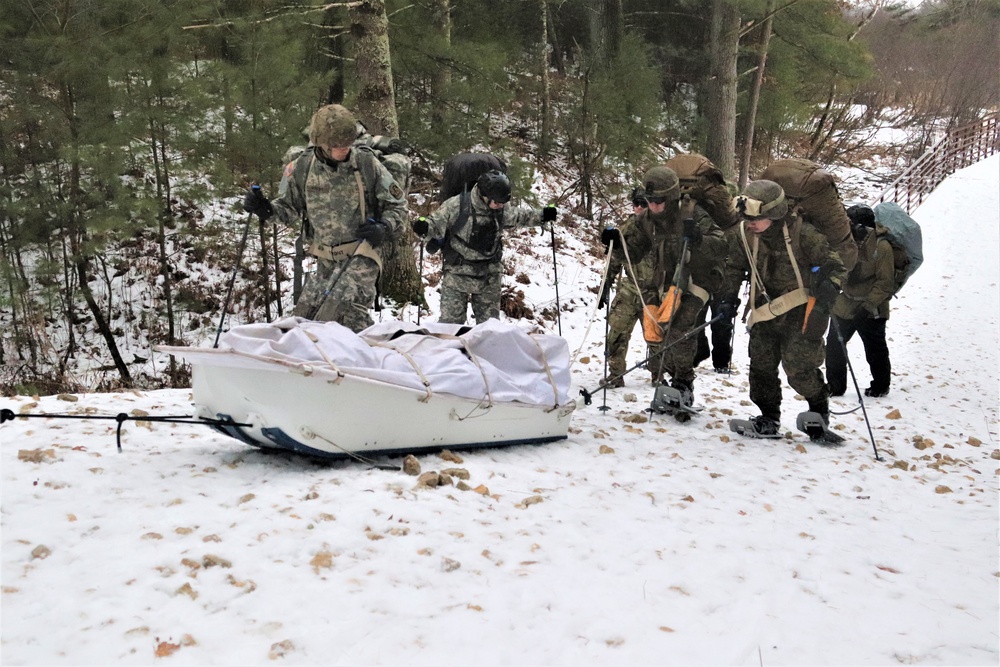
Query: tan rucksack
[[705, 183], [813, 190]]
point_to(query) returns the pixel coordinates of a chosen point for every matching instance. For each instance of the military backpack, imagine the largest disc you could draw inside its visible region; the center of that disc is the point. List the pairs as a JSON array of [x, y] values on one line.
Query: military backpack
[[813, 190]]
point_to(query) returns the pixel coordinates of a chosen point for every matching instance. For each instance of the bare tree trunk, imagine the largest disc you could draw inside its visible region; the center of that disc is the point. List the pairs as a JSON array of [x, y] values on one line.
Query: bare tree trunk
[[544, 138], [607, 30], [77, 232], [377, 108], [751, 119], [441, 78], [720, 111], [376, 102]]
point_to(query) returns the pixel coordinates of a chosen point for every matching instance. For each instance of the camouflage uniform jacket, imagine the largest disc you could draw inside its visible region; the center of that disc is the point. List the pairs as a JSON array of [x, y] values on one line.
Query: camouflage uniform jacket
[[809, 246], [325, 196], [654, 245], [871, 282], [474, 247]]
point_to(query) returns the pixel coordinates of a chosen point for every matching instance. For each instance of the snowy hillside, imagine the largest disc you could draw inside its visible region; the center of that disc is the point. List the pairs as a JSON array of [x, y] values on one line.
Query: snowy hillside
[[646, 542]]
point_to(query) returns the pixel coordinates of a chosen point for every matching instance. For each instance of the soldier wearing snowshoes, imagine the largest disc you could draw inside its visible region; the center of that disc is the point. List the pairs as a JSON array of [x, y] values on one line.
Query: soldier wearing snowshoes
[[349, 206], [863, 307], [677, 257], [626, 307], [468, 229], [794, 277]]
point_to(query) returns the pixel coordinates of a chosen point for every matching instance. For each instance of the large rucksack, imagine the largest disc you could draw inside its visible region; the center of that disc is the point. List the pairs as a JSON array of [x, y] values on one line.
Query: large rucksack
[[904, 235], [461, 172], [813, 190], [707, 186]]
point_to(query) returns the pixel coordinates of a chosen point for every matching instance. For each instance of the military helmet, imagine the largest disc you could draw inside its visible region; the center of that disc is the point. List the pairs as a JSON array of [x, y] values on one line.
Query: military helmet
[[861, 214], [494, 185], [638, 197], [333, 125], [661, 184], [762, 199]]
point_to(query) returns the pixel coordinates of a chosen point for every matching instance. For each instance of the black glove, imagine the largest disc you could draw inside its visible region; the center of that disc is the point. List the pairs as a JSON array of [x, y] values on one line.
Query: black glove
[[549, 213], [692, 232], [257, 204], [727, 307], [826, 293], [420, 226], [374, 231], [859, 232], [605, 295], [434, 245], [611, 234]]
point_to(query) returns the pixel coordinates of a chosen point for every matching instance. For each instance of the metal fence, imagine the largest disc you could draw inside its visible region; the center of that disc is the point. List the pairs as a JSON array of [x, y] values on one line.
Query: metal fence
[[961, 147]]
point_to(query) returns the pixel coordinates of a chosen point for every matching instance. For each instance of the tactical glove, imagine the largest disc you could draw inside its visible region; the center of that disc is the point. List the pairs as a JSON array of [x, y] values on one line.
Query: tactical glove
[[605, 295], [374, 231], [826, 293], [549, 213], [255, 203], [434, 245], [727, 307], [692, 232], [611, 234], [420, 226]]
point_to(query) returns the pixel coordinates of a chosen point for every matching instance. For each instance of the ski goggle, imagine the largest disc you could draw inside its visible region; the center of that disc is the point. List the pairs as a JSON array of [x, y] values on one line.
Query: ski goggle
[[656, 200]]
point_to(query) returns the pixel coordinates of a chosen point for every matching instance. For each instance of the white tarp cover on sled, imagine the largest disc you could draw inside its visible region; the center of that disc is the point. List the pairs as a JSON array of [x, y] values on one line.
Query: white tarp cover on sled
[[493, 361]]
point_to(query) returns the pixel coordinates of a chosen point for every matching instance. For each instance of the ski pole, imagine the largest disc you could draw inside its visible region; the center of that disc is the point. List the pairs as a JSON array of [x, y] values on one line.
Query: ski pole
[[421, 277], [854, 379], [232, 279], [588, 395], [555, 273], [607, 332]]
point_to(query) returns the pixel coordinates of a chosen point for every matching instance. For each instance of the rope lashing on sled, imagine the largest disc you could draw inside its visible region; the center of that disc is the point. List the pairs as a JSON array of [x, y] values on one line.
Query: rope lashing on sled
[[9, 415], [413, 364], [315, 341], [548, 374]]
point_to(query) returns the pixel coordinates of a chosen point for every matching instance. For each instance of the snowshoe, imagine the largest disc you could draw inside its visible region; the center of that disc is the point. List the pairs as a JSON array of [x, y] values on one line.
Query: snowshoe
[[813, 425], [758, 427], [674, 401], [876, 393]]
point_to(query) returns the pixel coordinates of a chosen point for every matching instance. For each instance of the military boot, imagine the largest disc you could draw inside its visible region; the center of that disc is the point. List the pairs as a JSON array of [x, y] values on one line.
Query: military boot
[[686, 390]]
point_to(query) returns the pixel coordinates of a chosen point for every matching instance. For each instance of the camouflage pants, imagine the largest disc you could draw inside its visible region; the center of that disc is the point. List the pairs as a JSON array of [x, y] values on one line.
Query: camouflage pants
[[626, 310], [346, 299], [780, 341], [457, 290], [678, 360]]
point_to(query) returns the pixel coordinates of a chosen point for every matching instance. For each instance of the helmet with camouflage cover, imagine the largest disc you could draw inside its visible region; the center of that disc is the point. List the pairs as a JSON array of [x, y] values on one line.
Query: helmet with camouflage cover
[[333, 125], [661, 183], [762, 199]]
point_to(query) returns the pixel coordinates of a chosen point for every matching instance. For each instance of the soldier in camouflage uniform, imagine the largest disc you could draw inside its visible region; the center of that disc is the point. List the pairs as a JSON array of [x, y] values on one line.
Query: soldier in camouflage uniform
[[349, 205], [468, 229], [626, 308], [653, 243], [787, 261], [863, 307]]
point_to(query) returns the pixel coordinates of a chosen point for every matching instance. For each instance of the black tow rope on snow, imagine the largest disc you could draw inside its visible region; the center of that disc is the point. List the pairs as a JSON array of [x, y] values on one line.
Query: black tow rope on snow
[[588, 396], [7, 414]]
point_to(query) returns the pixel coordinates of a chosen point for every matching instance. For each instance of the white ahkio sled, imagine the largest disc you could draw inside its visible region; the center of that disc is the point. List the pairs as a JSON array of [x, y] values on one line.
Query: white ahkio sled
[[318, 388]]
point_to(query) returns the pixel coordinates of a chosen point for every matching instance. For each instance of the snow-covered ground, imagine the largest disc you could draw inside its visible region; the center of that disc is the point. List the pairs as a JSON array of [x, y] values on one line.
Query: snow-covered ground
[[654, 542]]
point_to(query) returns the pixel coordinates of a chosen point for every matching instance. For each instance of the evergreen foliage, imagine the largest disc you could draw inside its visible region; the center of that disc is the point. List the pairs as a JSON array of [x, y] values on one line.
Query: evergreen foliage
[[130, 128]]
